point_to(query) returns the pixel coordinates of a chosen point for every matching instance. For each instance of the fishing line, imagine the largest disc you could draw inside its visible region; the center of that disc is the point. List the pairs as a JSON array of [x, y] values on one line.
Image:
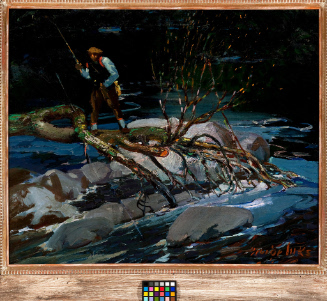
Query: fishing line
[[129, 214], [88, 160], [136, 227]]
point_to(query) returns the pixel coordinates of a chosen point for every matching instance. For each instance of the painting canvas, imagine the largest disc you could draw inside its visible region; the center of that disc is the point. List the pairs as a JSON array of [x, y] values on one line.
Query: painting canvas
[[163, 136]]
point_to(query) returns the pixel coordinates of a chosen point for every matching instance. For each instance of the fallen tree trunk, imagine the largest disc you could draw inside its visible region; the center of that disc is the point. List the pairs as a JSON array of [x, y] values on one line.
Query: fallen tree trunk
[[232, 162]]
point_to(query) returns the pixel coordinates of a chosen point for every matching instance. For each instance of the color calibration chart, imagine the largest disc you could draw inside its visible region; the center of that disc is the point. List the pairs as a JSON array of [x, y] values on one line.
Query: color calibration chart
[[159, 291]]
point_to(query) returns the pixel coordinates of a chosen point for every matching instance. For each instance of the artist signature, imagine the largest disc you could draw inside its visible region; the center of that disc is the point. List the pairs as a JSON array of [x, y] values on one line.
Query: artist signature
[[274, 251]]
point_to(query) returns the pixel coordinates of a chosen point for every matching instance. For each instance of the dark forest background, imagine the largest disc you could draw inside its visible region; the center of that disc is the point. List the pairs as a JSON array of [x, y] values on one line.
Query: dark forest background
[[272, 55]]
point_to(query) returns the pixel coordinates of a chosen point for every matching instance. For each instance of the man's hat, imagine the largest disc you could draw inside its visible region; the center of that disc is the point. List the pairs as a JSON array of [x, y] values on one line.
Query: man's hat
[[95, 50]]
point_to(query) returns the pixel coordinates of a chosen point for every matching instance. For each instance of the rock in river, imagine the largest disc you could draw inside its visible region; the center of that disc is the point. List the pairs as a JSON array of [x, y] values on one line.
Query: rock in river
[[97, 172], [79, 233], [210, 131], [34, 207], [18, 175], [197, 224], [62, 185]]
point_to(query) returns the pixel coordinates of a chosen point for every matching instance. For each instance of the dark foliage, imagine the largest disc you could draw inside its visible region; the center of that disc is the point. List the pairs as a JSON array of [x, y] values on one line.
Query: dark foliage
[[275, 53]]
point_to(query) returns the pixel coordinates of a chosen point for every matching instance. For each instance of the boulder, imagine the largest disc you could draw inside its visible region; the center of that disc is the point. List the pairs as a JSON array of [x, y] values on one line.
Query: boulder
[[77, 174], [184, 197], [18, 176], [199, 224], [111, 211], [198, 170], [17, 194], [62, 185], [153, 122], [173, 162], [251, 142], [128, 210], [144, 161], [118, 170], [79, 233], [255, 145], [212, 129], [97, 172], [154, 202], [209, 128], [34, 207]]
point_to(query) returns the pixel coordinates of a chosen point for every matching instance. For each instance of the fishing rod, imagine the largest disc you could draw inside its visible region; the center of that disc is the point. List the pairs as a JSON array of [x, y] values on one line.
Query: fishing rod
[[72, 52]]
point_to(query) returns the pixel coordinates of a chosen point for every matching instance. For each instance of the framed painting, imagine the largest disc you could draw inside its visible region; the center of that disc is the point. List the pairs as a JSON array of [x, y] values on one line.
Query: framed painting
[[157, 138]]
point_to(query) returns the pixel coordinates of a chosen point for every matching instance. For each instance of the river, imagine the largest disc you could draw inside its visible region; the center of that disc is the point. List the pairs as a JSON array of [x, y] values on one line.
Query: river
[[285, 221]]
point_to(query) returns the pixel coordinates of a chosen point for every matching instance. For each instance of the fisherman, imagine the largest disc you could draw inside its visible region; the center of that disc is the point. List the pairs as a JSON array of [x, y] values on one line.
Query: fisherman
[[102, 71]]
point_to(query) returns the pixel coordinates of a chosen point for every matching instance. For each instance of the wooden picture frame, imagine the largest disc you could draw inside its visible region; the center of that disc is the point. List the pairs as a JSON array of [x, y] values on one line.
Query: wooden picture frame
[[123, 281]]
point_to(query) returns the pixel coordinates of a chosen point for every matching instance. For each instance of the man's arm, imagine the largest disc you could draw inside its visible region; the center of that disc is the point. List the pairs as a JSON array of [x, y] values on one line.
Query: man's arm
[[84, 72], [109, 65]]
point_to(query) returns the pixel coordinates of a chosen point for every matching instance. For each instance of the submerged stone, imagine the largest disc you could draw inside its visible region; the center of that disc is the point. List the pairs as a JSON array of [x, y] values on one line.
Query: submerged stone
[[79, 233], [199, 224]]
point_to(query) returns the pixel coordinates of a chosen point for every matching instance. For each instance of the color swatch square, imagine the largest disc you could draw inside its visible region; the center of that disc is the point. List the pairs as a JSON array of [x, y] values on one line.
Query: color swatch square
[[159, 291]]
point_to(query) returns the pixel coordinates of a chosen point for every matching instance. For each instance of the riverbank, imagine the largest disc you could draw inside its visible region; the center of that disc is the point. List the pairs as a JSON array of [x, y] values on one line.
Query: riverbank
[[95, 213]]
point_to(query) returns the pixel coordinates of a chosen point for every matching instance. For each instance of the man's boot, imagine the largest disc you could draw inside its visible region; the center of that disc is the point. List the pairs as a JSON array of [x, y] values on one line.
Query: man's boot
[[94, 127], [122, 126]]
